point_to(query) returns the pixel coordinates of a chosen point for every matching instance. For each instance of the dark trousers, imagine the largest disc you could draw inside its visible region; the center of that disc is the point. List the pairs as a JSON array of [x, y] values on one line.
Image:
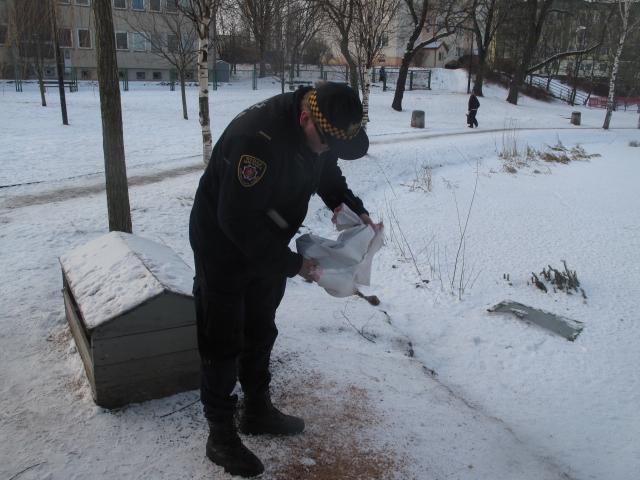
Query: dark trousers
[[236, 332], [471, 118]]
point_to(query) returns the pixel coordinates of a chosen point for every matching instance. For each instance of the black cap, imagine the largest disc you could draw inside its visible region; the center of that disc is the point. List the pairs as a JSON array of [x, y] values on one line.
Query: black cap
[[338, 112]]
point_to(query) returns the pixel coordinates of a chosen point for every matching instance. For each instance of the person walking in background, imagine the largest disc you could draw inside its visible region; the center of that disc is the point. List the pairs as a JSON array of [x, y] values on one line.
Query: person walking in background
[[251, 201], [474, 104]]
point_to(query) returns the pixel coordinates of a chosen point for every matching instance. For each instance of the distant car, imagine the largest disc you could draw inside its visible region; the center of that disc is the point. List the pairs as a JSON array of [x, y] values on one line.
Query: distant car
[[453, 64]]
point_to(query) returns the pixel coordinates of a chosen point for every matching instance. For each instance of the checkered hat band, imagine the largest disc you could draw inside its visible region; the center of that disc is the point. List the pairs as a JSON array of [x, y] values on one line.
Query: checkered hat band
[[324, 125]]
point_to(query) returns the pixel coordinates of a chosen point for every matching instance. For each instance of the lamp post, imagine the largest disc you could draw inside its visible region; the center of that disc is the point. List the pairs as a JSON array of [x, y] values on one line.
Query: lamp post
[[470, 64]]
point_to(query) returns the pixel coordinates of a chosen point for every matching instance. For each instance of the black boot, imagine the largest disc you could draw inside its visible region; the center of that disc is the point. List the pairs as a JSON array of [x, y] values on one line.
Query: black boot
[[262, 417], [225, 448]]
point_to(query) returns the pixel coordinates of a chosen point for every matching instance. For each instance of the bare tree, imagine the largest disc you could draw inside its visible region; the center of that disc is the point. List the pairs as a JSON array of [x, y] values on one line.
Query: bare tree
[[487, 17], [624, 11], [532, 17], [33, 39], [111, 110], [259, 18], [172, 37], [535, 14], [305, 22], [232, 40], [282, 42], [201, 13], [341, 15], [441, 18], [371, 32]]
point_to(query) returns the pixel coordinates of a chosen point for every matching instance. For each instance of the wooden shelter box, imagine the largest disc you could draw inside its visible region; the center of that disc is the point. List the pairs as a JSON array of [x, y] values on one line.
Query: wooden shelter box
[[129, 306]]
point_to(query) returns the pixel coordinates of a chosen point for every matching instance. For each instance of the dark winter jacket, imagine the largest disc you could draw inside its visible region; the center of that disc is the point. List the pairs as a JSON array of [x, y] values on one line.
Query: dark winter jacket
[[474, 104], [254, 194]]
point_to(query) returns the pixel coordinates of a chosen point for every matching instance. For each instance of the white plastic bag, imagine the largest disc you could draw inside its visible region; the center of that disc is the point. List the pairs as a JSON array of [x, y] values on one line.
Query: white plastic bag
[[347, 261]]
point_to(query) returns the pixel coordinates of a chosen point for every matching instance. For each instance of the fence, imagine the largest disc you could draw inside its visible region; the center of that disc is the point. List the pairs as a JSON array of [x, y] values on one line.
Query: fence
[[417, 79], [623, 102], [560, 91]]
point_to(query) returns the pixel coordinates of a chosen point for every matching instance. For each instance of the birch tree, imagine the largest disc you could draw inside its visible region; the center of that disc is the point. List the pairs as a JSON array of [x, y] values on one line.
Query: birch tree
[[624, 11], [111, 110], [201, 13]]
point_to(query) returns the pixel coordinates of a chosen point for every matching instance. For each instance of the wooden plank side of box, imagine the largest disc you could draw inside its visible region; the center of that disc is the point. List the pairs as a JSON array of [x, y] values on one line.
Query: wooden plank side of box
[[147, 390], [78, 332], [167, 310], [143, 345], [147, 369]]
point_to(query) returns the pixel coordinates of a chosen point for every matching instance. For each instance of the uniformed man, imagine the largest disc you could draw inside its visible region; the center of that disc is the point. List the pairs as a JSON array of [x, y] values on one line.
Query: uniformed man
[[251, 200]]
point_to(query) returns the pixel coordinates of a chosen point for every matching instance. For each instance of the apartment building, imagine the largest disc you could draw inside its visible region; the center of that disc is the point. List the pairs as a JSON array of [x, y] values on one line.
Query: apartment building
[[153, 39]]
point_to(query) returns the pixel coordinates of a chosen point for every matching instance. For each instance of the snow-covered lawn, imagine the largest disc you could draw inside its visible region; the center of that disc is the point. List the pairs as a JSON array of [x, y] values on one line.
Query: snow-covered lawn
[[426, 385]]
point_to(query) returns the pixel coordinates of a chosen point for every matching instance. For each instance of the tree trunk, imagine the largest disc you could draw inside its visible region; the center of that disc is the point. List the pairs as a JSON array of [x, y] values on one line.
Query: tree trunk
[[514, 86], [366, 90], [616, 64], [183, 92], [203, 86], [59, 66], [111, 110], [402, 81], [43, 98]]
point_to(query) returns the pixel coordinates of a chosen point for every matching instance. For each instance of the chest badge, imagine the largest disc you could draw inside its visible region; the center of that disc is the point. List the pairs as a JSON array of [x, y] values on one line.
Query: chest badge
[[250, 170]]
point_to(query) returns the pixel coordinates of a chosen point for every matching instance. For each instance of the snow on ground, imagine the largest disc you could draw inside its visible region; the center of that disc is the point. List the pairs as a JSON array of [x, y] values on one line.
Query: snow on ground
[[427, 385]]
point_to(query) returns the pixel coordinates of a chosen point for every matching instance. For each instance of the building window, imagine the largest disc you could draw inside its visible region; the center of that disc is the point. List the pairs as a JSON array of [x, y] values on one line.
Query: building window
[[139, 43], [189, 43], [172, 6], [122, 41], [603, 67], [137, 4], [49, 72], [173, 43], [157, 75], [154, 5], [458, 52], [64, 2], [3, 33], [119, 3], [84, 3], [85, 74], [140, 75], [84, 38], [156, 43], [440, 56], [64, 37]]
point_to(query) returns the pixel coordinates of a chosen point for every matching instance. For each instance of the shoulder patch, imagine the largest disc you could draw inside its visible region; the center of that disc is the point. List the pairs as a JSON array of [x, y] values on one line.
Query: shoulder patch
[[250, 170]]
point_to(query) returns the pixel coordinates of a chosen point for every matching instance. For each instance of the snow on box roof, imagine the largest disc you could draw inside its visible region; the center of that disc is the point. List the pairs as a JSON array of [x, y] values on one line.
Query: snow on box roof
[[119, 271]]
